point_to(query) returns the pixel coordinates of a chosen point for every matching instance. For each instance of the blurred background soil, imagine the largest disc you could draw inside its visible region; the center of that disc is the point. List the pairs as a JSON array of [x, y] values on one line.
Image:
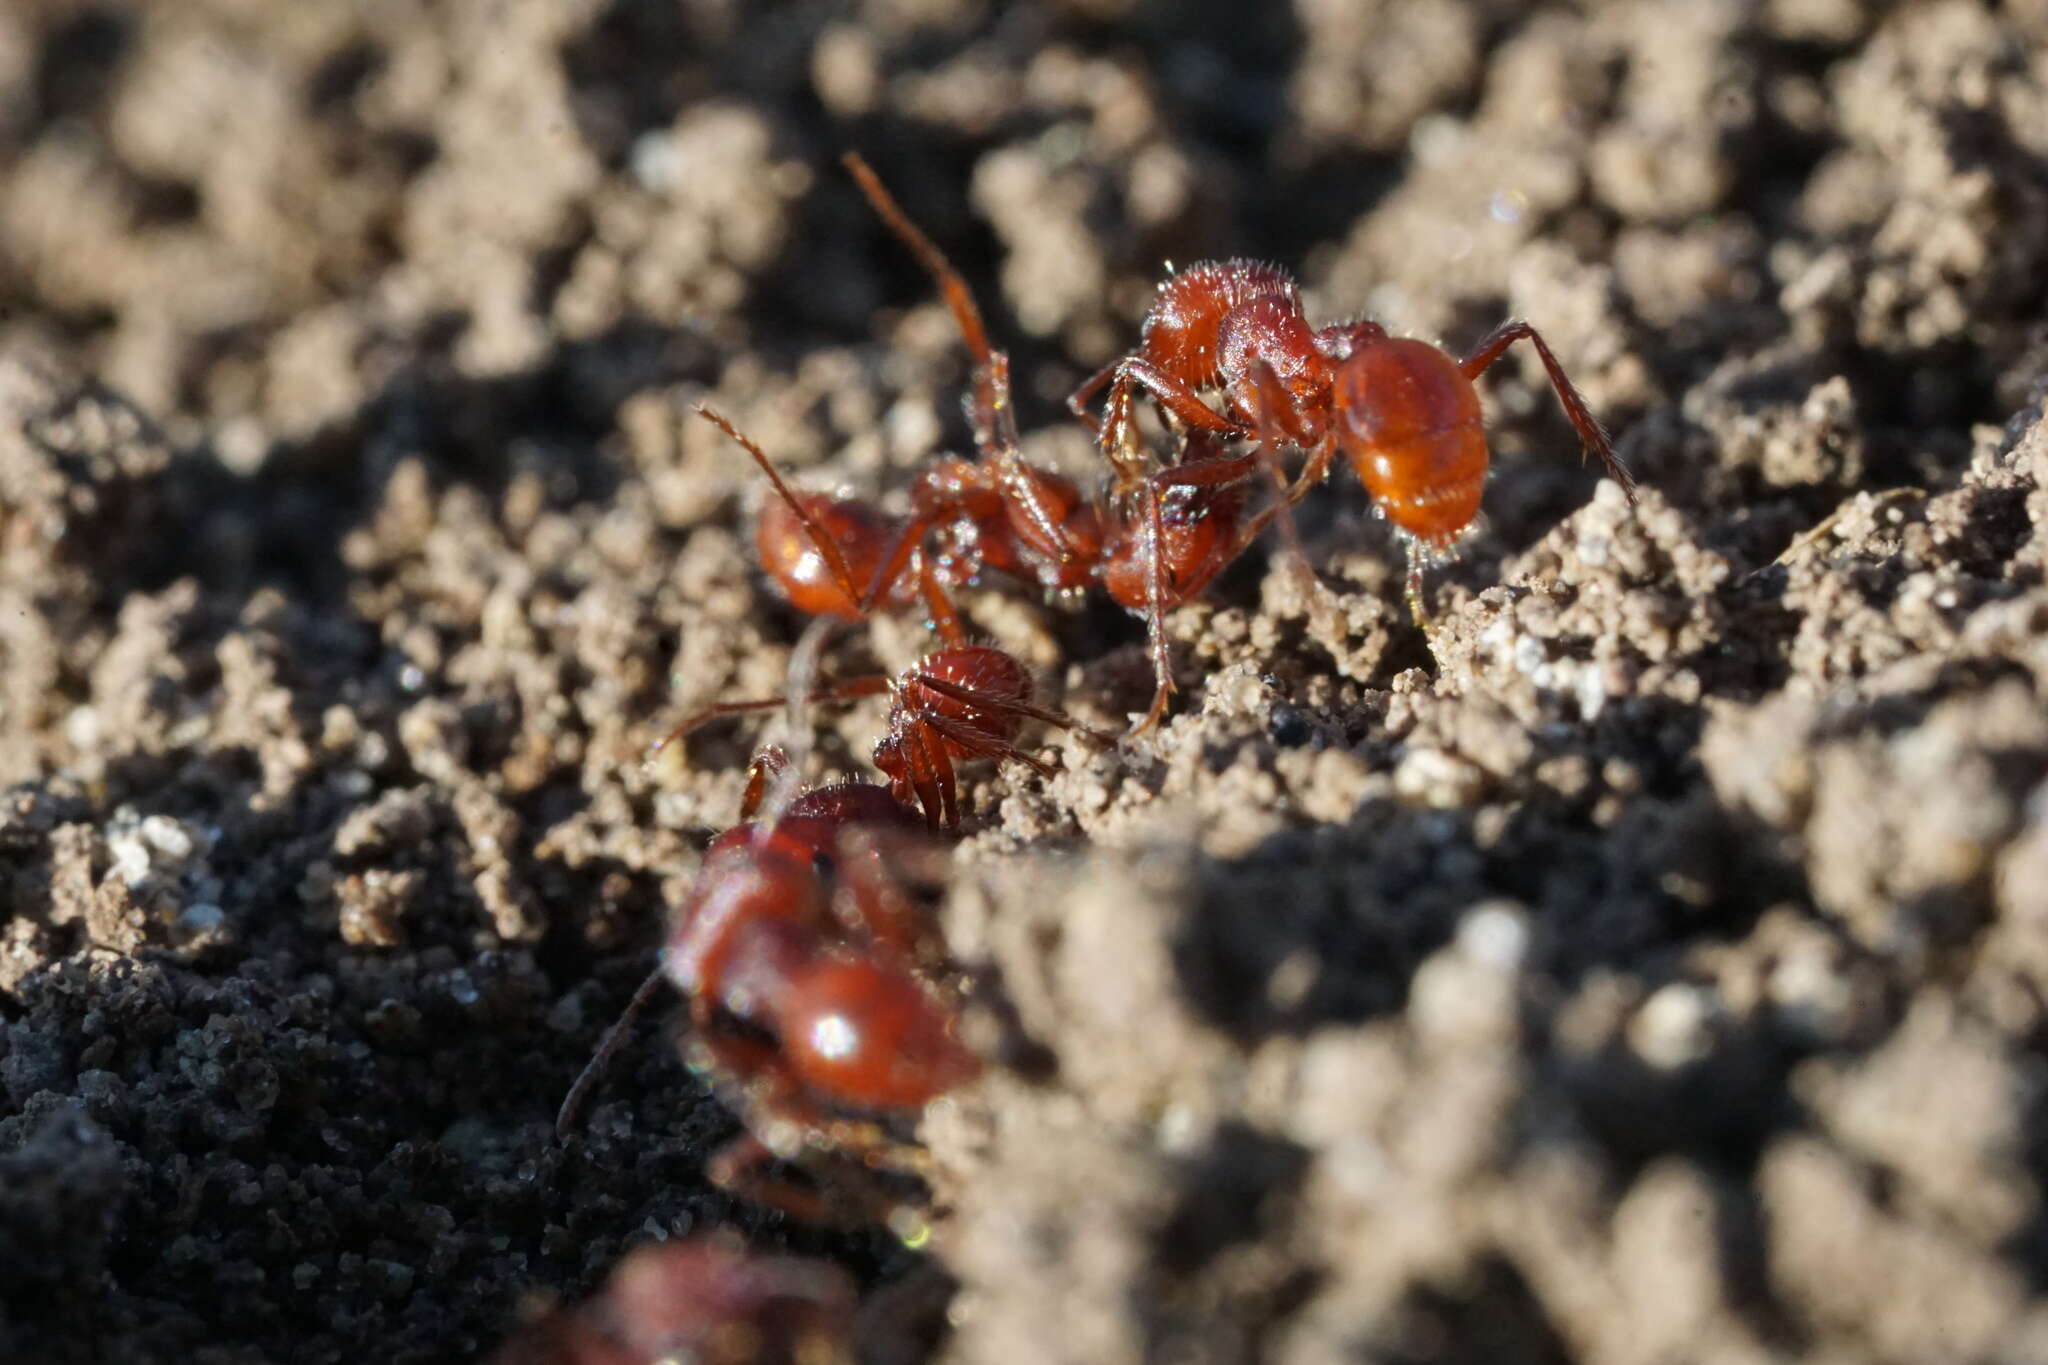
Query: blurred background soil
[[1657, 971]]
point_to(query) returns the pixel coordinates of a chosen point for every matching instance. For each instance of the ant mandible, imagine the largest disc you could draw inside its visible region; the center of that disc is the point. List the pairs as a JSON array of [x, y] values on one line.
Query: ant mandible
[[958, 703], [1404, 413], [808, 969], [705, 1299], [1170, 532]]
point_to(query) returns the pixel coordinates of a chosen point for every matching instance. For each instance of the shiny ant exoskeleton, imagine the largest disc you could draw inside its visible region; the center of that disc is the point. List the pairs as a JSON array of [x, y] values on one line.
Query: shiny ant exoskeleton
[[1403, 412], [809, 971], [707, 1300], [1166, 535], [958, 703]]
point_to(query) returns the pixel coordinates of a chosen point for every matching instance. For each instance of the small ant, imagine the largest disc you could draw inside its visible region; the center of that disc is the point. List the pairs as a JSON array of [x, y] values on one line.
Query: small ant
[[707, 1300], [1166, 536], [1403, 412], [958, 703], [808, 970]]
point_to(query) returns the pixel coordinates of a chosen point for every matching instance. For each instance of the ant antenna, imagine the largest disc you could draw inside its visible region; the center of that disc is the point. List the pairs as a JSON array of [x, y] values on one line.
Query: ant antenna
[[607, 1048]]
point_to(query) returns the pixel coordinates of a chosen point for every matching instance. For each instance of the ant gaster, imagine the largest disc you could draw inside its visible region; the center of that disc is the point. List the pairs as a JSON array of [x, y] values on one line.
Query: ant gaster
[[1165, 537], [1402, 412], [809, 973]]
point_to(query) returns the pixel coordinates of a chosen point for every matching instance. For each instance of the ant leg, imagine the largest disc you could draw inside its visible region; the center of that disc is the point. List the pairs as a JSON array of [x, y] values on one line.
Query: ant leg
[[1177, 398], [1418, 606], [940, 765], [1017, 480], [945, 620], [1272, 400], [848, 690], [896, 558], [827, 548], [974, 743], [607, 1048], [919, 781], [959, 298], [741, 1169], [1078, 400], [846, 1195], [1582, 419], [988, 701], [1155, 615]]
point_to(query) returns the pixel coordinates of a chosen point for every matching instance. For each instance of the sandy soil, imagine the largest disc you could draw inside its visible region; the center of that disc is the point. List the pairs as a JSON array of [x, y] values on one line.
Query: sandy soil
[[1655, 970]]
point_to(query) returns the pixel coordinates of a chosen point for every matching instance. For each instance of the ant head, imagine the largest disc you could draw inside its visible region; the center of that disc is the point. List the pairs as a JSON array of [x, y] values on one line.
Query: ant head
[[869, 1035]]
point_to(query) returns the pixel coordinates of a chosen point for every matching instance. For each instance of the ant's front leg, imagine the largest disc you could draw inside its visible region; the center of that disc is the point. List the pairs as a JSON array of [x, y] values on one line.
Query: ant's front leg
[[1188, 577], [1118, 440]]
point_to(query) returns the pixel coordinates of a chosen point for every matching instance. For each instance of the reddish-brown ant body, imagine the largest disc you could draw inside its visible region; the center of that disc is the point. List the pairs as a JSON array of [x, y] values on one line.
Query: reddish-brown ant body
[[808, 970], [1165, 537], [1404, 413], [705, 1300], [958, 703]]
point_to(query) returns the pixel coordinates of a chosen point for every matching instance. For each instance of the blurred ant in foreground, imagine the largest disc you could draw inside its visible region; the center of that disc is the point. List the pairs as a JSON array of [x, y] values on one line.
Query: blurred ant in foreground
[[813, 1005], [1403, 412], [958, 703], [1160, 543], [707, 1301]]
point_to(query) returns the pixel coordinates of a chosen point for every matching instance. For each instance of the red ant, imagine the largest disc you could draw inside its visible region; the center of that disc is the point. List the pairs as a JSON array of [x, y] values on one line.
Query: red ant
[[1148, 553], [1403, 412], [807, 968], [958, 703], [706, 1300]]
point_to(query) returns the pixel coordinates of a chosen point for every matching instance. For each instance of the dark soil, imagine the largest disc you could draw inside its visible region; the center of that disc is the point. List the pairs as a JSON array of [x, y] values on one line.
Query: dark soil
[[1653, 967]]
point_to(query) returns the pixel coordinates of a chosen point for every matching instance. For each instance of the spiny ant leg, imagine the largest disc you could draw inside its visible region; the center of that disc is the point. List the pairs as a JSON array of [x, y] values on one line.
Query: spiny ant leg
[[1078, 400], [988, 701], [974, 743], [937, 605], [1155, 616], [941, 767], [966, 314], [1272, 400], [741, 1169], [1184, 403], [1582, 419], [1019, 480], [849, 690], [918, 782]]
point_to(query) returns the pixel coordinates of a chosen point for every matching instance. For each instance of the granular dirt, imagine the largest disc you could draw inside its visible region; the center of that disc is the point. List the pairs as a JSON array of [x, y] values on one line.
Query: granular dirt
[[1653, 966]]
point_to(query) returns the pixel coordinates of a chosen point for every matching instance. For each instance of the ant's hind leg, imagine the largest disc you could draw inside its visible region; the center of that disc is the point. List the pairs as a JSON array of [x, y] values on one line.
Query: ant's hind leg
[[1568, 396]]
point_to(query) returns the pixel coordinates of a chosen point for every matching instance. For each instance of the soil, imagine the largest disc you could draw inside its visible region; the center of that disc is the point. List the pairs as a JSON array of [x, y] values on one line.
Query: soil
[[1651, 966]]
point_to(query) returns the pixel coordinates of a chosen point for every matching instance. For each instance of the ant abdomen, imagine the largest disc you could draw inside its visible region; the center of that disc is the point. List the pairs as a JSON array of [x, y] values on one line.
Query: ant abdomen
[[868, 1035], [1409, 422]]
